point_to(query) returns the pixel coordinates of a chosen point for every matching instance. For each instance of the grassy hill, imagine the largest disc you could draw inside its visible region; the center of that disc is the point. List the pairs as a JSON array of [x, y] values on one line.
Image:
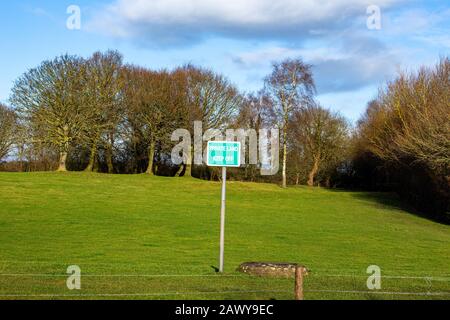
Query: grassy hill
[[157, 238]]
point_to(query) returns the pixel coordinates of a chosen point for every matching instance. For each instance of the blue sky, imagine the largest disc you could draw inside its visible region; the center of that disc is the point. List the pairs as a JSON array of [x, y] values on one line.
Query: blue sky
[[237, 38]]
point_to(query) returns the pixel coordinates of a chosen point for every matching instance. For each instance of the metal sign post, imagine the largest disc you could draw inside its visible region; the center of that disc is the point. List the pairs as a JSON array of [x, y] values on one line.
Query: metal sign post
[[223, 154], [222, 218]]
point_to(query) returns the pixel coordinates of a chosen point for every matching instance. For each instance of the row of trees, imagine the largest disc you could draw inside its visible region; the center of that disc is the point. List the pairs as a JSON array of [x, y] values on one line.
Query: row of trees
[[98, 114], [403, 141]]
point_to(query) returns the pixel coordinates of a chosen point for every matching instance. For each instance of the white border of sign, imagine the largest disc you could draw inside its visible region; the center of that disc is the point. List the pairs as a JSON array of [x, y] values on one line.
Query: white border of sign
[[225, 142]]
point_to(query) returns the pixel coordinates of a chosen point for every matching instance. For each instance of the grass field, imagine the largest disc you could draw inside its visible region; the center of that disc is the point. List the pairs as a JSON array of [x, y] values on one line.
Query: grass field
[[140, 237]]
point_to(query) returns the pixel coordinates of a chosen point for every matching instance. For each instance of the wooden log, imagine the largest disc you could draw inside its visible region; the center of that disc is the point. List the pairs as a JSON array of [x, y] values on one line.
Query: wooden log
[[299, 283]]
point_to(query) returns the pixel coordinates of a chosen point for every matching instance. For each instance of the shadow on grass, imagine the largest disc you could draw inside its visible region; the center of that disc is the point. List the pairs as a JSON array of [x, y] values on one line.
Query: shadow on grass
[[391, 200], [216, 269]]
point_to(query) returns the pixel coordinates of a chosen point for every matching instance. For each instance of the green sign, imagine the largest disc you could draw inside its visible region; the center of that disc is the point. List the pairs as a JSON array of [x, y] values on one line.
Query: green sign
[[224, 154]]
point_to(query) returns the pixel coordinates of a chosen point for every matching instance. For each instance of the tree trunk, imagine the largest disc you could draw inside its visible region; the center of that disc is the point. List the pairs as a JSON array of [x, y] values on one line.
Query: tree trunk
[[92, 158], [297, 180], [21, 153], [313, 173], [284, 156], [213, 175], [109, 153], [64, 150], [186, 167], [62, 161], [109, 161], [181, 170], [188, 172], [151, 158]]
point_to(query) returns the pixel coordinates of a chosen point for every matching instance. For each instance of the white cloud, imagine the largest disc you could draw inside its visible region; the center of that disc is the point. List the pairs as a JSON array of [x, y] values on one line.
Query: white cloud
[[39, 12], [254, 59], [174, 22], [253, 12], [414, 21], [429, 27], [339, 64], [329, 34]]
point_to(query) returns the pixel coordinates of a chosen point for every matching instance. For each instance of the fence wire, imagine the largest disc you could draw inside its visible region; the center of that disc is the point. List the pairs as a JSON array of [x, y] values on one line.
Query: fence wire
[[427, 279]]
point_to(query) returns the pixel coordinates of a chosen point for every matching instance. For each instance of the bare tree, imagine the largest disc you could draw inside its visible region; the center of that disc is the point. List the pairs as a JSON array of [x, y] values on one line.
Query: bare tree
[[210, 98], [255, 114], [405, 138], [291, 86], [154, 103], [319, 137], [410, 120], [8, 127], [49, 99], [103, 95]]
